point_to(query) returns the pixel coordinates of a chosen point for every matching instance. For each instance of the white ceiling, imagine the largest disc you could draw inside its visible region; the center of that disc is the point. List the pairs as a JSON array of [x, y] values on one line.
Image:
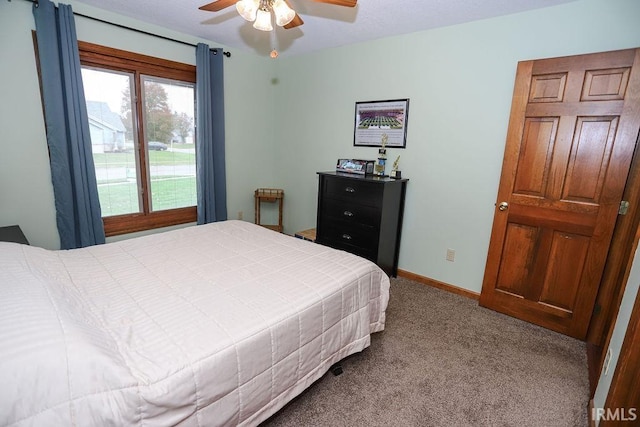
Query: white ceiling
[[325, 25]]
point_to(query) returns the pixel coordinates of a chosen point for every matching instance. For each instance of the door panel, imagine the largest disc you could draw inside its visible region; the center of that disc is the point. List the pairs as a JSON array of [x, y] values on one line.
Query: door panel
[[569, 147], [519, 249], [605, 85], [535, 156], [548, 88], [589, 159], [566, 260]]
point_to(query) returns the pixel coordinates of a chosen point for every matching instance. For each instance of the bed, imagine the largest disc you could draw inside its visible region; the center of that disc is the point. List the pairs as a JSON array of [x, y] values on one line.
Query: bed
[[218, 324]]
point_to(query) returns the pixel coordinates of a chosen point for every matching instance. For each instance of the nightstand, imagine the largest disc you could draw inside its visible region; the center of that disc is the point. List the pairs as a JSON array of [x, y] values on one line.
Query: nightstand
[[13, 233]]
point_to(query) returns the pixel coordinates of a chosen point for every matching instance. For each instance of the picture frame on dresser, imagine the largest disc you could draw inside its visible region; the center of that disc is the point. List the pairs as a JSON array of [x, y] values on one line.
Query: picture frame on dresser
[[375, 119]]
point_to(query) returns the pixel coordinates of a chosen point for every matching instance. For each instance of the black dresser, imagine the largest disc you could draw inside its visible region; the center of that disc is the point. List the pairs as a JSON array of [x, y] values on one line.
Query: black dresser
[[362, 215]]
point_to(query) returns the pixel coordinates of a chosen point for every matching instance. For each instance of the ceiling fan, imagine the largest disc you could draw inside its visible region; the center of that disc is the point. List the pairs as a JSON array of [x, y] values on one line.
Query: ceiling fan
[[260, 11]]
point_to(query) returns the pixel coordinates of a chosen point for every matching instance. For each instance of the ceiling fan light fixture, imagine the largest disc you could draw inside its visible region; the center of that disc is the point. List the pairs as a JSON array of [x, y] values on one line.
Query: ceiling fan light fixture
[[263, 20], [248, 9], [284, 14]]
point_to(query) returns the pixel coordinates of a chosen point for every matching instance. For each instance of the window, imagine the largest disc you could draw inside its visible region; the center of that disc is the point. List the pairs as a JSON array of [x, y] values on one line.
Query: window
[[142, 123]]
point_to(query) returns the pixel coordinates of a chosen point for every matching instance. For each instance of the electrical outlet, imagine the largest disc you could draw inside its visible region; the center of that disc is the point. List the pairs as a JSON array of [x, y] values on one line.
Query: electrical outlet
[[607, 361], [451, 255], [240, 214]]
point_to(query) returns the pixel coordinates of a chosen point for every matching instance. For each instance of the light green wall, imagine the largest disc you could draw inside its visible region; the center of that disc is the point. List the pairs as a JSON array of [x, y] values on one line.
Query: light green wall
[[26, 195], [459, 80]]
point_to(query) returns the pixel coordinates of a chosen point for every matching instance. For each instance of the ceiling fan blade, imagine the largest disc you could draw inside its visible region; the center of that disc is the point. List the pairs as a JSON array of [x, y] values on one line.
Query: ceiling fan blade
[[347, 3], [296, 22], [217, 5]]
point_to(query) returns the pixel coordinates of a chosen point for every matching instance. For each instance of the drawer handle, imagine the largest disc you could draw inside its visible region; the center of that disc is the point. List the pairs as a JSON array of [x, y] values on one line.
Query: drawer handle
[[350, 190], [347, 213], [346, 237]]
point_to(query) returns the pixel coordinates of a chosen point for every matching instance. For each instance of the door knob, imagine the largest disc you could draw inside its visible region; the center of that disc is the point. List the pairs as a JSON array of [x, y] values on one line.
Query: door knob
[[503, 206]]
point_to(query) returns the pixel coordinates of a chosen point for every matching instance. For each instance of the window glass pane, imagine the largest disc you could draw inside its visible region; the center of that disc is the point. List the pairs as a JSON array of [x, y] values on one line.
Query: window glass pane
[[113, 142], [169, 111]]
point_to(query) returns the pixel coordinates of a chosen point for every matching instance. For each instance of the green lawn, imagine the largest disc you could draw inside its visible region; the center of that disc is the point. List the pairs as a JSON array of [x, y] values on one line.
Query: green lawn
[[166, 193], [119, 195], [118, 191], [115, 160]]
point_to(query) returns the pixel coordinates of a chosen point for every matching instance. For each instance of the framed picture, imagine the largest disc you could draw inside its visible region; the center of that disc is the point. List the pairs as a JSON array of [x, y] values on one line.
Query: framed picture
[[378, 120], [360, 167]]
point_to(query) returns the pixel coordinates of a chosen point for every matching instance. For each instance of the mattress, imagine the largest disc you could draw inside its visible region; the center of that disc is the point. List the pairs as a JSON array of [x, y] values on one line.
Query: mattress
[[218, 324]]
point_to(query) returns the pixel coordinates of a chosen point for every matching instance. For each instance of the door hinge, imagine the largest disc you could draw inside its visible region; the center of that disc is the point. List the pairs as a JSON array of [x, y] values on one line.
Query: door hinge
[[624, 208]]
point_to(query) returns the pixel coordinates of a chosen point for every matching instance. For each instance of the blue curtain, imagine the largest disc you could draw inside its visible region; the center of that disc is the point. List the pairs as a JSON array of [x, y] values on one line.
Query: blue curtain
[[78, 214], [210, 157]]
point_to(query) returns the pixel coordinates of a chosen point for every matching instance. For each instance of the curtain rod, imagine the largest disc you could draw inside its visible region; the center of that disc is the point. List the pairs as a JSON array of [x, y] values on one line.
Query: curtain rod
[[227, 54]]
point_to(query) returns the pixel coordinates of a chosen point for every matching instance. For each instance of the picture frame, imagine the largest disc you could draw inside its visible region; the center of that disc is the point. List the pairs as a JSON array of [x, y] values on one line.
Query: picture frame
[[356, 166], [374, 119]]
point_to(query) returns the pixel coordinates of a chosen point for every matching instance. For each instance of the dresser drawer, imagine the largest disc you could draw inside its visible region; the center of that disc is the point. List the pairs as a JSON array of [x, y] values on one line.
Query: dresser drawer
[[354, 190], [368, 253], [337, 231], [351, 212]]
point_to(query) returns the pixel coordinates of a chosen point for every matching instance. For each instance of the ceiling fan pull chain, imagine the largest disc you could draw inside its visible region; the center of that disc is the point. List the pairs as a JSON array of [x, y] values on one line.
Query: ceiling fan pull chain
[[274, 42]]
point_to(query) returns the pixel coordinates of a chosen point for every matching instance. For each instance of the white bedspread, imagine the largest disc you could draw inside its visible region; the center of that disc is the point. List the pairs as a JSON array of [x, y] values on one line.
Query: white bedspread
[[220, 324]]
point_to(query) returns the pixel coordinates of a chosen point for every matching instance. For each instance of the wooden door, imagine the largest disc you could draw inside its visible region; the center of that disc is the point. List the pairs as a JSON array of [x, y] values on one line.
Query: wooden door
[[572, 132]]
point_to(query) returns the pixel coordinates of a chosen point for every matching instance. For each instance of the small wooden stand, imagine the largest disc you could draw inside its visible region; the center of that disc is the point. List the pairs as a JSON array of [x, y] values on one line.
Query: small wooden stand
[[309, 235], [270, 195]]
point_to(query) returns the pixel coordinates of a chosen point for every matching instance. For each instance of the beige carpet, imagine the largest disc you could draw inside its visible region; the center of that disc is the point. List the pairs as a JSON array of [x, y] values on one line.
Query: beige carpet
[[444, 361]]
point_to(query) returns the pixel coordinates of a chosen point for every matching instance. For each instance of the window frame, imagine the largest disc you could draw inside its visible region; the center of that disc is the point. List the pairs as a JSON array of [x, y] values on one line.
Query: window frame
[[97, 56]]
